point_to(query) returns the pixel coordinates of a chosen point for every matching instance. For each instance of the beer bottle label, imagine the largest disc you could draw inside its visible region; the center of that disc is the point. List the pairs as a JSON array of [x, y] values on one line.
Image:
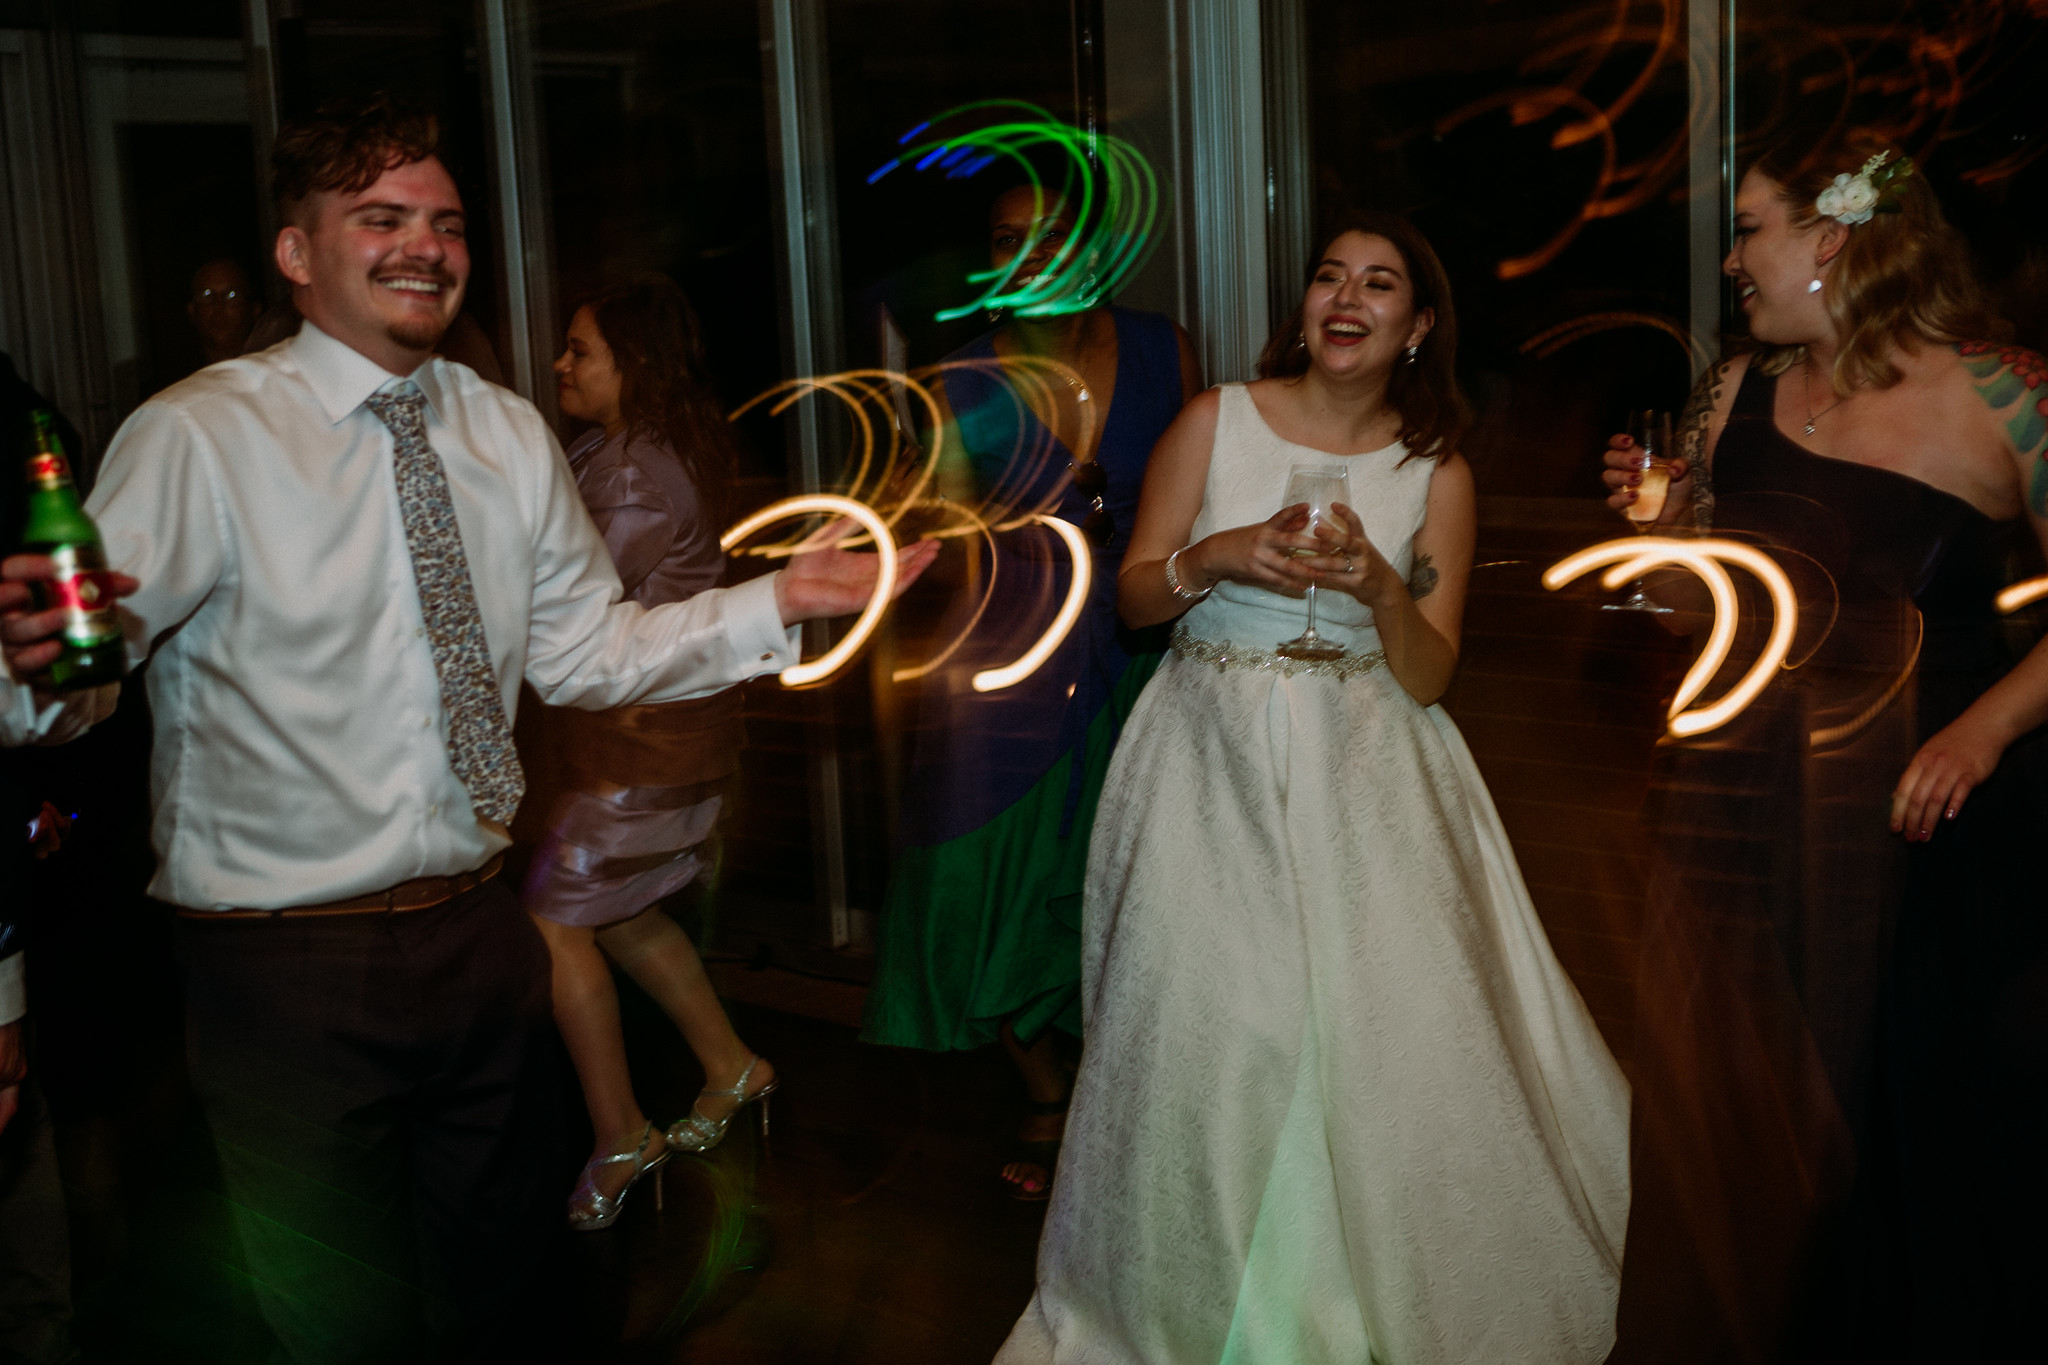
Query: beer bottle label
[[85, 591], [48, 469]]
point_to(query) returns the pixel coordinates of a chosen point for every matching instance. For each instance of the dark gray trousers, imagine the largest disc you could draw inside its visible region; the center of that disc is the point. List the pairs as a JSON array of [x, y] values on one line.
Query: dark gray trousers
[[384, 1096], [35, 1242]]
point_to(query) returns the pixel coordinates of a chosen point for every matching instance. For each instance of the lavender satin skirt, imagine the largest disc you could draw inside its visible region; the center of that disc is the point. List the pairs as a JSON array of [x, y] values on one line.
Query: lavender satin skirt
[[611, 851]]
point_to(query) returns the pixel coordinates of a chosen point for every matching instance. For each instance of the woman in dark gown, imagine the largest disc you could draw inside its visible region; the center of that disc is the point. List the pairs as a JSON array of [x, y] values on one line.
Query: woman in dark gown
[[980, 933], [1842, 1046]]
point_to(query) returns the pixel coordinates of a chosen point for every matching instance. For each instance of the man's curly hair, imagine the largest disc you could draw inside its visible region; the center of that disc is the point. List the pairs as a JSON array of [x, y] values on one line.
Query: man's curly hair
[[345, 146]]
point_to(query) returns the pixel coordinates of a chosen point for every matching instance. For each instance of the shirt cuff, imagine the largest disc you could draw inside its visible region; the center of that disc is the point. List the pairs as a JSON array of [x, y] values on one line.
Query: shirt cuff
[[13, 988], [31, 717], [753, 623]]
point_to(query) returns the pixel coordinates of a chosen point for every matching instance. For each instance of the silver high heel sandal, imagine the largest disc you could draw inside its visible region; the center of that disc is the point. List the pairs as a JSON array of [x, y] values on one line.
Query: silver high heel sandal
[[693, 1132], [591, 1209]]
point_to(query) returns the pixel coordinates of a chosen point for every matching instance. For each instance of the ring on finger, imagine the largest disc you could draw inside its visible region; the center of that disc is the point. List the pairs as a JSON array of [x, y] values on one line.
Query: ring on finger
[[1348, 566]]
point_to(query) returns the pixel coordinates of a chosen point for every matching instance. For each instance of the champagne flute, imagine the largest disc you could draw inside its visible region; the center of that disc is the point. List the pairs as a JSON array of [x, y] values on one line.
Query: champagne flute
[[1319, 486], [1651, 431]]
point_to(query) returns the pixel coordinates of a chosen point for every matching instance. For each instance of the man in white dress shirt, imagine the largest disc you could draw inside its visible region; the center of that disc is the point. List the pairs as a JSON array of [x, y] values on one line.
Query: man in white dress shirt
[[349, 555]]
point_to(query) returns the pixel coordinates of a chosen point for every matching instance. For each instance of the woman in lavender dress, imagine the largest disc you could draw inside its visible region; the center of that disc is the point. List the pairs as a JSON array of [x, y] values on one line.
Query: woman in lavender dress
[[644, 784]]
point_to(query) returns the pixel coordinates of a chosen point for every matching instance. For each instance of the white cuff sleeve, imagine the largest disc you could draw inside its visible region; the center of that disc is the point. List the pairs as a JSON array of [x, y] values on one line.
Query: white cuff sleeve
[[13, 988], [754, 625], [31, 717]]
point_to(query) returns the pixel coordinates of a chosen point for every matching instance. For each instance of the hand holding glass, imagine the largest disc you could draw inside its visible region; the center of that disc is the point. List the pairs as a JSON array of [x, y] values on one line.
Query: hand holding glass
[[1320, 486], [1651, 432]]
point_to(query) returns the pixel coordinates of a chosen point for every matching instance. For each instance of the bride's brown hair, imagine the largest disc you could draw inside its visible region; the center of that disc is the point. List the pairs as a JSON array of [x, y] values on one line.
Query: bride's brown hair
[[1433, 410], [1904, 276]]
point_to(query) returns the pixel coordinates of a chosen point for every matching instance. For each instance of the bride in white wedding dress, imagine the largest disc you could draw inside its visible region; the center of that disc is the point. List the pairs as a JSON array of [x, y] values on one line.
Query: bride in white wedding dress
[[1338, 1101]]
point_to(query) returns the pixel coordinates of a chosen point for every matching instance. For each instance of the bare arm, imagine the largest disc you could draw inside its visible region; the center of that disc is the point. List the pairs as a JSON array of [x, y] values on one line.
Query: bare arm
[[1699, 428], [1419, 619], [1176, 480], [1963, 754]]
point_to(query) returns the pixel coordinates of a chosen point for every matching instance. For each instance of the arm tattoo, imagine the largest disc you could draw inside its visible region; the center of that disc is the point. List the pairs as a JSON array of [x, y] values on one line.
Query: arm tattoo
[[1422, 578], [1692, 441], [2012, 377]]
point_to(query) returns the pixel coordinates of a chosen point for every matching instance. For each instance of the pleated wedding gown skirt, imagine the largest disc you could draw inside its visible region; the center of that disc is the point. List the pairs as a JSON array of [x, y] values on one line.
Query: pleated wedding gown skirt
[[1338, 1100]]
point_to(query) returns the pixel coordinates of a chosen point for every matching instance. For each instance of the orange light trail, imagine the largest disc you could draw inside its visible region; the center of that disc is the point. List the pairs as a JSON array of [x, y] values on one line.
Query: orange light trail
[[2021, 593], [835, 658], [891, 475], [990, 679], [1632, 558]]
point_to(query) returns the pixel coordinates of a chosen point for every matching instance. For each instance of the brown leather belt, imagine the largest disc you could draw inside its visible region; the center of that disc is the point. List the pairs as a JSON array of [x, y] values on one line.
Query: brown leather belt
[[421, 893]]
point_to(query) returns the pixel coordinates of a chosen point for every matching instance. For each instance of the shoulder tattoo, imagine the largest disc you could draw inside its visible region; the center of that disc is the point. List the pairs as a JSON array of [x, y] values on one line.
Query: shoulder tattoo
[[1422, 578], [1693, 422], [2010, 380]]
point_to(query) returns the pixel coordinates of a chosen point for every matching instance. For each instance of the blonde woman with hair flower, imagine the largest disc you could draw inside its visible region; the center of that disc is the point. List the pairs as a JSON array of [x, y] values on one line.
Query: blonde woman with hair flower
[[1841, 1092]]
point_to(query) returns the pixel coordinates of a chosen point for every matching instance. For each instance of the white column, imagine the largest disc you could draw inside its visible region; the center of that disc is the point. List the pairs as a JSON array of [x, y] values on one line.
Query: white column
[[54, 325], [1710, 28], [1290, 160], [800, 132], [1226, 209], [519, 186]]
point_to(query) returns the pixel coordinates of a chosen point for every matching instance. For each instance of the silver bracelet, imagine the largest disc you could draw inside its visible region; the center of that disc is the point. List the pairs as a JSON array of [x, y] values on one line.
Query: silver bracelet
[[1179, 589]]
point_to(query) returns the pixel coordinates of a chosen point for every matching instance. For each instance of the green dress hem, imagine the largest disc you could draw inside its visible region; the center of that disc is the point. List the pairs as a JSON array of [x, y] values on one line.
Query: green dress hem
[[986, 927]]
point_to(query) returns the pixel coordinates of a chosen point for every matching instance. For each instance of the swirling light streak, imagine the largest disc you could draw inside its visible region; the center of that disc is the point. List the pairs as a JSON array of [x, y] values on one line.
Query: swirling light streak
[[988, 592], [990, 679], [1632, 558], [1551, 340], [1105, 181], [835, 658], [2021, 593], [1909, 82], [857, 390], [892, 475]]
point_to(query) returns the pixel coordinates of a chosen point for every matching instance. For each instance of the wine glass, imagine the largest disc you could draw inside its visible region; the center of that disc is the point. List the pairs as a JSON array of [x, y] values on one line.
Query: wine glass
[[1651, 431], [1319, 486]]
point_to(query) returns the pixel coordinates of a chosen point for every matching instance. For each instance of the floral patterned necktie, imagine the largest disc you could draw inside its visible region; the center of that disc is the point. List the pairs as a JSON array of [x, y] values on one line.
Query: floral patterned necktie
[[479, 737]]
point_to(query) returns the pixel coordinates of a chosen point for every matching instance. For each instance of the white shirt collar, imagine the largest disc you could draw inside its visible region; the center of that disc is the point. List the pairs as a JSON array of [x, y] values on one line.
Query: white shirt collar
[[341, 377]]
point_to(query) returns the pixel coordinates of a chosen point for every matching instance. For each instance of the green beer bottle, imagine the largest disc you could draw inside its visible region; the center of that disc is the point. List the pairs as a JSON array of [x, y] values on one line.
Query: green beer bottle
[[58, 527]]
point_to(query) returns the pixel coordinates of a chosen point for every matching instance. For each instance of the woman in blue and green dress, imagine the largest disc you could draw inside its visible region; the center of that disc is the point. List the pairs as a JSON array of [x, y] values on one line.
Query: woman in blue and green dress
[[980, 936]]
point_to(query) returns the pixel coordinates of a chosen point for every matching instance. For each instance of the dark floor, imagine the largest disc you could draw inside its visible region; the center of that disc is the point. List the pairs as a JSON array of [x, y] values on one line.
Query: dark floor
[[870, 1229]]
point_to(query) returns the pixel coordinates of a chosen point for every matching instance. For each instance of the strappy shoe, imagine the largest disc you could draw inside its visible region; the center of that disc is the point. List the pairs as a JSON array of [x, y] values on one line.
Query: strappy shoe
[[694, 1132], [591, 1209], [1043, 1153]]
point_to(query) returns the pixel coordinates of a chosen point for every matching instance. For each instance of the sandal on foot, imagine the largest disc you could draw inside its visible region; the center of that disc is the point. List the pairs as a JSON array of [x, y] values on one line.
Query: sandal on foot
[[591, 1209], [695, 1132], [1043, 1153]]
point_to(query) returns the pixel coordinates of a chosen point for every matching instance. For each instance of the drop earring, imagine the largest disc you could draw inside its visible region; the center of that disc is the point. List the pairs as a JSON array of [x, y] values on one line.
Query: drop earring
[[1412, 352], [1814, 286]]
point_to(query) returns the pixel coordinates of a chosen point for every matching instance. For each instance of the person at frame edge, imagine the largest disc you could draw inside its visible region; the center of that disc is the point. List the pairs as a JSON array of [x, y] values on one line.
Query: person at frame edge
[[346, 553], [979, 939], [1891, 996], [35, 1256]]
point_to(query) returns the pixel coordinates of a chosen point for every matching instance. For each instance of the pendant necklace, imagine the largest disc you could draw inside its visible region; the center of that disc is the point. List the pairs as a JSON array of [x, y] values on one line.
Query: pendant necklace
[[1806, 387]]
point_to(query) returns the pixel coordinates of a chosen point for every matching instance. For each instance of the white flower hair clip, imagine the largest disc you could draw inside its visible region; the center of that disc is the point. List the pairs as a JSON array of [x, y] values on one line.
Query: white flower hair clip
[[1852, 199]]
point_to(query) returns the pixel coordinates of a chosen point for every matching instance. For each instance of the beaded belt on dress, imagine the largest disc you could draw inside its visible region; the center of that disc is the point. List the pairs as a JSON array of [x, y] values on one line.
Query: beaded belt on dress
[[1227, 655]]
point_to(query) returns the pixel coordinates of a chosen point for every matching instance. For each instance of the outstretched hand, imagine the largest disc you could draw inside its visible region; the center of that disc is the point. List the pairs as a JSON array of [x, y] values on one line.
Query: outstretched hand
[[821, 580], [1623, 473], [28, 637]]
